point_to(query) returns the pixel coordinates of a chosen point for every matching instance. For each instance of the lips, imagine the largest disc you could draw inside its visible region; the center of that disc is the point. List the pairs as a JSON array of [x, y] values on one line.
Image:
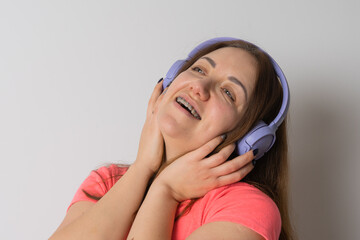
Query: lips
[[187, 106]]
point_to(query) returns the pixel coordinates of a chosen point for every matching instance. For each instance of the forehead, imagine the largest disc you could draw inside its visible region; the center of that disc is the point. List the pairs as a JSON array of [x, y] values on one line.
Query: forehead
[[236, 62], [233, 56]]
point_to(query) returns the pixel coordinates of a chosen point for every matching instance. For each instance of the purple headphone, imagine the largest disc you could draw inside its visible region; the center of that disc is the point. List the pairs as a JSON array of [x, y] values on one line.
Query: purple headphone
[[262, 136]]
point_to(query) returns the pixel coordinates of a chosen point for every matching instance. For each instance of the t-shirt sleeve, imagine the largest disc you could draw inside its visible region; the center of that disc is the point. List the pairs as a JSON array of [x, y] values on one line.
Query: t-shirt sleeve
[[244, 204], [98, 183]]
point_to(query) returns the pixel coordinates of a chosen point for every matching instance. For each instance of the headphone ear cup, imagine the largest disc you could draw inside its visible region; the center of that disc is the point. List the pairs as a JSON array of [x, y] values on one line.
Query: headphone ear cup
[[170, 75], [261, 137]]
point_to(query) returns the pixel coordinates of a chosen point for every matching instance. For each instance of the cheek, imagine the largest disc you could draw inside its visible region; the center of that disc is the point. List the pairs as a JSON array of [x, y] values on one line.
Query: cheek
[[224, 118], [179, 82]]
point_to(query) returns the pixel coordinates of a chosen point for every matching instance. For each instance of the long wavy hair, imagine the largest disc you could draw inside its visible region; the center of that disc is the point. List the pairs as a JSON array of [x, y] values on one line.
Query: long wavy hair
[[270, 174]]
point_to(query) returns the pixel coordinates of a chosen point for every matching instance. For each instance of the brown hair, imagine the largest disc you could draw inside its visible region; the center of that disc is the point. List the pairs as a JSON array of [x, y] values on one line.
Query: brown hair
[[270, 174]]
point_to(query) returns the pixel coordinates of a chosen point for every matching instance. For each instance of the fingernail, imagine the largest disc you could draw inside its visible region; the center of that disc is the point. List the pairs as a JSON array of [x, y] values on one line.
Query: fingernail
[[253, 162], [255, 151], [223, 136], [160, 80]]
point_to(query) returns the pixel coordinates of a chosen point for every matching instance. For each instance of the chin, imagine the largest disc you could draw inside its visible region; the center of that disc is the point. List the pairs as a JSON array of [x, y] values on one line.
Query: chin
[[171, 127]]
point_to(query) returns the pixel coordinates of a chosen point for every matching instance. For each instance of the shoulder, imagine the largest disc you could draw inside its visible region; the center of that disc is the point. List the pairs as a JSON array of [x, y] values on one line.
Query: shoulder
[[242, 194], [98, 183], [105, 176], [244, 204], [112, 170]]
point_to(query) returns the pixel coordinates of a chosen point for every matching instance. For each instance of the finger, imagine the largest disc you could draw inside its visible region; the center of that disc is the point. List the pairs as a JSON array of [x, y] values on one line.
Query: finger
[[234, 164], [154, 96], [235, 176], [220, 157], [157, 102], [207, 148]]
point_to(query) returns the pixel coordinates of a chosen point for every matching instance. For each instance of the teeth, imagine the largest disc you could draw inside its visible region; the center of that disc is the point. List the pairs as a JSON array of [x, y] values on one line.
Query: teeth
[[188, 106]]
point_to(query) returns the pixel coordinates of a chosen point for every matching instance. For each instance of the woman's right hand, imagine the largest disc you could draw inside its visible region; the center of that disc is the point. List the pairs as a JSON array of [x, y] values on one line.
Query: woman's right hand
[[194, 174], [151, 145]]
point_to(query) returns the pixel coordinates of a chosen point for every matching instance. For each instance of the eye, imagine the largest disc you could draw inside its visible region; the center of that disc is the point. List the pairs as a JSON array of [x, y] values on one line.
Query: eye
[[197, 69], [229, 94]]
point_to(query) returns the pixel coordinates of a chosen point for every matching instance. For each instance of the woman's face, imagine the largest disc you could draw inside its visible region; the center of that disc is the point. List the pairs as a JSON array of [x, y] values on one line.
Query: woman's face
[[208, 99]]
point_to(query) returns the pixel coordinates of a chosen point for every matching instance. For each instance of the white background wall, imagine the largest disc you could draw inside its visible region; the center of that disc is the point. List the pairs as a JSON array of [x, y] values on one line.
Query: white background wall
[[75, 77]]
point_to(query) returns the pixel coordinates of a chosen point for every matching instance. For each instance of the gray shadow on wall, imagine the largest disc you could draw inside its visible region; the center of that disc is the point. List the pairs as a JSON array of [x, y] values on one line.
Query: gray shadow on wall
[[320, 168]]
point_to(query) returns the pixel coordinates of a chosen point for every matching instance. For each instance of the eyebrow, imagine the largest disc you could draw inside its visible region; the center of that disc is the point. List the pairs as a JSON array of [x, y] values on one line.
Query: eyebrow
[[212, 63], [231, 78], [236, 81]]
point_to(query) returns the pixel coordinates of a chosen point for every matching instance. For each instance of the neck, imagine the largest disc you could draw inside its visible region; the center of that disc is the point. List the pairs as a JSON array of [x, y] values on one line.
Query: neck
[[172, 153], [174, 148]]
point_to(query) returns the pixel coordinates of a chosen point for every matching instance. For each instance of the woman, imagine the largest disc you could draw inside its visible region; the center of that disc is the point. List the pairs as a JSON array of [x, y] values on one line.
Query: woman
[[187, 181]]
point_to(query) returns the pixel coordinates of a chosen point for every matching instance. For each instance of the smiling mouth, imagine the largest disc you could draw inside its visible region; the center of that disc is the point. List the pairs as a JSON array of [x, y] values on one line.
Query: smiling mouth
[[188, 107]]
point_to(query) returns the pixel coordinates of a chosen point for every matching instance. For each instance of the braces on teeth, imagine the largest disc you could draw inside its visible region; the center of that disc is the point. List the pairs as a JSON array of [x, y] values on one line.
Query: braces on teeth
[[188, 106]]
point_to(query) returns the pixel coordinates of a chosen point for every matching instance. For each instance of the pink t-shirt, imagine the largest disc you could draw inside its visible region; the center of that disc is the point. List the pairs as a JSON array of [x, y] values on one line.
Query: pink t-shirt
[[238, 202]]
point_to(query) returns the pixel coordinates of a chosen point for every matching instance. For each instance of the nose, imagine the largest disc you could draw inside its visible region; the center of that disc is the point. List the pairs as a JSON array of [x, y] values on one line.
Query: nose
[[201, 88]]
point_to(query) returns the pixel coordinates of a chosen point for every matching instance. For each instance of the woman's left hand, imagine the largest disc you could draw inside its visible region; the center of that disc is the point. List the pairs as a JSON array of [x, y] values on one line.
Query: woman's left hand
[[194, 174]]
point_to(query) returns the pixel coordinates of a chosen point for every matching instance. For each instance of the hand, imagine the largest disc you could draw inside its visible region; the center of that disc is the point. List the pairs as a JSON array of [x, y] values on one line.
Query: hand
[[193, 175], [151, 145]]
